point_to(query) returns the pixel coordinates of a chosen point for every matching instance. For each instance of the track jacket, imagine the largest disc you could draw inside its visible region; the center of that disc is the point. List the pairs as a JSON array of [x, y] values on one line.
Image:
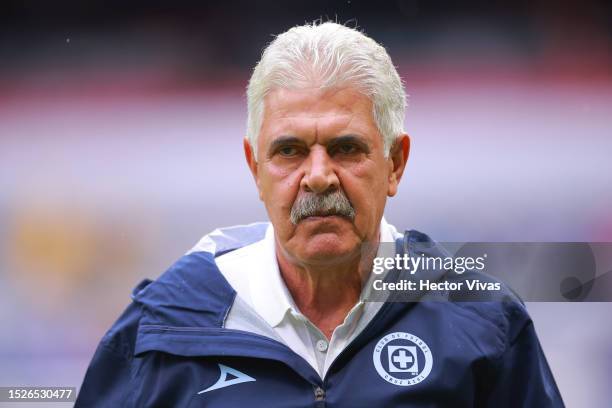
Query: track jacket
[[170, 348]]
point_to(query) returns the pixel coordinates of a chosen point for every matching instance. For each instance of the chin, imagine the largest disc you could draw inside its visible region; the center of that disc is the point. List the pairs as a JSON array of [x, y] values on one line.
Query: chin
[[329, 248]]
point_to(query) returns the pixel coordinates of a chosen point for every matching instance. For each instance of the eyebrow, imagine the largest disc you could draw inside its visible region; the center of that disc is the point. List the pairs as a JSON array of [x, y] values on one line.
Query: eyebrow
[[336, 141]]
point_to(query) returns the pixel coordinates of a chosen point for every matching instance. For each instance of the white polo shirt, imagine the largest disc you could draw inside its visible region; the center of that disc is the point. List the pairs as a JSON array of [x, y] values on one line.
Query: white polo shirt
[[253, 272]]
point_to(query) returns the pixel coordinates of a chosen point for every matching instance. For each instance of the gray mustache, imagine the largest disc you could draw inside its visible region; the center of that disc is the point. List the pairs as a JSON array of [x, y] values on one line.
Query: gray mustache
[[310, 204]]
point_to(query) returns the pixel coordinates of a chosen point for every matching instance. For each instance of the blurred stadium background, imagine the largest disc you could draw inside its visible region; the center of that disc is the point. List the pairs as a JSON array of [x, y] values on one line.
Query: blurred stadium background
[[120, 146]]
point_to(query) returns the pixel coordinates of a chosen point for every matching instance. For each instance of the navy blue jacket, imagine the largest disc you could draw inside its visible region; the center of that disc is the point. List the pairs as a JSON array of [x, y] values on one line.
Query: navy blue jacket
[[170, 349]]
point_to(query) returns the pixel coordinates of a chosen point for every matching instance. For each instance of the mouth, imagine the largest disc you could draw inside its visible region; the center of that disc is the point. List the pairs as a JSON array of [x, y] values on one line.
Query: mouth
[[322, 217]]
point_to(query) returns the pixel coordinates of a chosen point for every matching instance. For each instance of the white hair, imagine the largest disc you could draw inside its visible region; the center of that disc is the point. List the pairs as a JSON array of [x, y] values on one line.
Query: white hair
[[329, 55]]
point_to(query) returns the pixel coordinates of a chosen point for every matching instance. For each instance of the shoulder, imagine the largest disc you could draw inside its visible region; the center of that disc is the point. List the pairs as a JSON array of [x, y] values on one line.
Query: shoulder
[[226, 239], [191, 291], [119, 340], [481, 304]]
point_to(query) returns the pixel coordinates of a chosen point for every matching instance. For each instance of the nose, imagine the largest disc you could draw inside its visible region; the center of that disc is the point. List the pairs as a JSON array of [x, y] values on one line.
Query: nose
[[319, 175]]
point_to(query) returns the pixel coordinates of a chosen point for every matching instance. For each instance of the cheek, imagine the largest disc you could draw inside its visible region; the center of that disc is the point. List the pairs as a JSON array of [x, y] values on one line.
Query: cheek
[[280, 187], [366, 187]]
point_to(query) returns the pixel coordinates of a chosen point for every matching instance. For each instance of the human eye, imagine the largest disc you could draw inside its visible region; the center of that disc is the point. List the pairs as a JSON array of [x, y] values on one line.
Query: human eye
[[287, 147], [350, 146], [288, 151], [347, 148]]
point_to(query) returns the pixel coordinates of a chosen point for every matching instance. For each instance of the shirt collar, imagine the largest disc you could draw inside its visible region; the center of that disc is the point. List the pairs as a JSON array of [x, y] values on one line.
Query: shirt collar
[[270, 295]]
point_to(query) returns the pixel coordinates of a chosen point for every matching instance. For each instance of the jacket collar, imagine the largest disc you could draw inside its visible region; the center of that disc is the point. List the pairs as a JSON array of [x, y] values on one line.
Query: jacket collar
[[194, 293]]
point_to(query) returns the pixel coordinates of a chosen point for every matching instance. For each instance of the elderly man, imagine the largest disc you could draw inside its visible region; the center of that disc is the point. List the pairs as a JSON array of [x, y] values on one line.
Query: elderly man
[[276, 315]]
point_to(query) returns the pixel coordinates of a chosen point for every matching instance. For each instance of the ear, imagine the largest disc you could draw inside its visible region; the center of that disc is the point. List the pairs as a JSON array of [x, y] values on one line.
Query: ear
[[252, 163], [398, 157]]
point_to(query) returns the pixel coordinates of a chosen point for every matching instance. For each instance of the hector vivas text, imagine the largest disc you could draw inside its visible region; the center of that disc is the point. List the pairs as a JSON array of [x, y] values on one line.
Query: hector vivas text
[[423, 263]]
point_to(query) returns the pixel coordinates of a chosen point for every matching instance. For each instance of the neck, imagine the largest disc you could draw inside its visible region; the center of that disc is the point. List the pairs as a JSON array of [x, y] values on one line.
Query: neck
[[325, 293]]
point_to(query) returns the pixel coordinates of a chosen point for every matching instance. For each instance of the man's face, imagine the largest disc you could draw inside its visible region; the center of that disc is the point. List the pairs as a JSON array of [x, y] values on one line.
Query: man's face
[[315, 142]]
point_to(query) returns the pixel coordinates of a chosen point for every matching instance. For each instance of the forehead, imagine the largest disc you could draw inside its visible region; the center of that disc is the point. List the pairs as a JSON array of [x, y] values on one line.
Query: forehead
[[317, 110], [316, 99]]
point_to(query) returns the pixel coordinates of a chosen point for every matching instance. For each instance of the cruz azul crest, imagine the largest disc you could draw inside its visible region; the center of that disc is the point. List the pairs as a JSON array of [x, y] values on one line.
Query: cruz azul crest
[[402, 359]]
